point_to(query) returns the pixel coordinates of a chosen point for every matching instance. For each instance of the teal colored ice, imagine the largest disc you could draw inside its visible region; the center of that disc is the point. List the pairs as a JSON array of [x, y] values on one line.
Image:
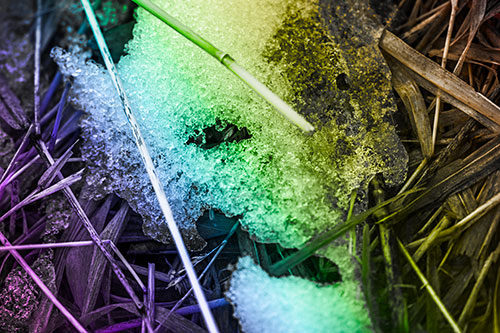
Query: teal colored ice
[[267, 304], [286, 186]]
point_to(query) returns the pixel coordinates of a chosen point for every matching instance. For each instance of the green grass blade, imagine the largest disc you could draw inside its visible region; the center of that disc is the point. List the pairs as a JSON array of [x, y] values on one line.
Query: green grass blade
[[327, 237], [225, 59], [430, 290]]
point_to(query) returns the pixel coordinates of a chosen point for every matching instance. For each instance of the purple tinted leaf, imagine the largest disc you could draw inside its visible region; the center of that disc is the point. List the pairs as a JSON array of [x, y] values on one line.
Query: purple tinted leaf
[[57, 123], [77, 259], [49, 175], [112, 232]]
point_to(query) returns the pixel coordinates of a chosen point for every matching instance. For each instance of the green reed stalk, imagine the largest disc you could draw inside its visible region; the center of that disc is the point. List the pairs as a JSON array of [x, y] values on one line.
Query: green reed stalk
[[231, 64]]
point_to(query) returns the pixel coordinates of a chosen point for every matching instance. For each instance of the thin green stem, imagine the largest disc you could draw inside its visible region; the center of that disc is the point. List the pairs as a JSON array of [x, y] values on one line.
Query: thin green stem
[[429, 288], [226, 60], [327, 237]]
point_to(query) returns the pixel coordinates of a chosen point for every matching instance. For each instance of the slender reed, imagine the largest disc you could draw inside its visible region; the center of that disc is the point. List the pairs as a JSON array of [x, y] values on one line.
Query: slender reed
[[151, 170], [228, 62], [430, 290], [36, 77]]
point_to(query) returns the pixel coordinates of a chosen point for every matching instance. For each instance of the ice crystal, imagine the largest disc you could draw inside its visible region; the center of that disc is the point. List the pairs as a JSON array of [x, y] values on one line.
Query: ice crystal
[[286, 185], [291, 304], [20, 296], [219, 146]]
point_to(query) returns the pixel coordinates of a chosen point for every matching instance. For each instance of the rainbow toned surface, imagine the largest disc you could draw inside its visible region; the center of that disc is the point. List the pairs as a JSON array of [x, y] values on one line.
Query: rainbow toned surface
[[288, 186], [217, 145]]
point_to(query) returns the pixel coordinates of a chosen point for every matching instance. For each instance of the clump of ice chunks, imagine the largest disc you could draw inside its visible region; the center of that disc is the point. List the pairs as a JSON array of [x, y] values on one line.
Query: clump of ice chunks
[[291, 304], [287, 186]]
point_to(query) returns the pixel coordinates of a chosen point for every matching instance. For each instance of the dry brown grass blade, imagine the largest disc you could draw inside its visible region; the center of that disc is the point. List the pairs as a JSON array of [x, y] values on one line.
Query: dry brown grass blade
[[439, 77], [459, 176], [476, 52], [447, 98], [395, 295], [432, 315], [429, 288], [473, 217], [454, 8], [457, 141], [475, 238], [464, 223], [478, 10], [414, 102], [436, 28], [412, 35]]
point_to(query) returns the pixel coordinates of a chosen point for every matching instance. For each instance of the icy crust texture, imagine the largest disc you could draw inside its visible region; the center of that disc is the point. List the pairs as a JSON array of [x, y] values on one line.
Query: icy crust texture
[[287, 186], [291, 304]]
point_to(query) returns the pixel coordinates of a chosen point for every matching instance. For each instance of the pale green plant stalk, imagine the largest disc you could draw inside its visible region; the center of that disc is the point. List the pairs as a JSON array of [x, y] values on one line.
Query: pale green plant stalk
[[280, 267], [151, 170], [231, 64], [430, 290]]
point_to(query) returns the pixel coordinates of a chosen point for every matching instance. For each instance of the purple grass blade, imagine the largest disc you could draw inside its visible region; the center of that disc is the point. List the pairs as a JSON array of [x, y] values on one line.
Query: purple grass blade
[[70, 126], [56, 81], [42, 286], [128, 266], [51, 173], [192, 309], [47, 117], [82, 216], [151, 293], [14, 200], [121, 327], [19, 172], [49, 245], [185, 311], [57, 123], [219, 250], [113, 230], [60, 185], [16, 156], [36, 77]]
